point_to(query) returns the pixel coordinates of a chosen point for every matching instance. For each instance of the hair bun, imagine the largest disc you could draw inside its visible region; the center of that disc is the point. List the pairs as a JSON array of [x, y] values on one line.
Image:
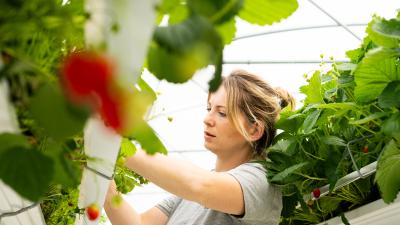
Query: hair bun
[[285, 98]]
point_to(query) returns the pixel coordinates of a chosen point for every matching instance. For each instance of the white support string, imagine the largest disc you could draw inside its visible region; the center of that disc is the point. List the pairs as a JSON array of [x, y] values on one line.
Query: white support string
[[334, 19], [14, 213], [296, 29]]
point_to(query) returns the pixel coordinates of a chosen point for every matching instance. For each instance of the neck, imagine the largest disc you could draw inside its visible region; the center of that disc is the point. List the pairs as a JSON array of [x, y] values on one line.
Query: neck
[[233, 159]]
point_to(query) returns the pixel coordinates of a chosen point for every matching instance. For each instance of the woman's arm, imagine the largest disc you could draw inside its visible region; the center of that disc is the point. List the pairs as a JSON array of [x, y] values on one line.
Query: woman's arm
[[124, 214], [215, 190]]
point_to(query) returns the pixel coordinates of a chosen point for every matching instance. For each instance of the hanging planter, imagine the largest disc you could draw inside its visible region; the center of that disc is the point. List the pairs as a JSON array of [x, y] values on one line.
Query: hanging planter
[[131, 24], [102, 144], [377, 212]]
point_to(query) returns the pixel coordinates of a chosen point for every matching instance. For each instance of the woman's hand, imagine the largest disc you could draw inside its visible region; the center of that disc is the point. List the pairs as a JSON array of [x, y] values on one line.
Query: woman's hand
[[124, 214]]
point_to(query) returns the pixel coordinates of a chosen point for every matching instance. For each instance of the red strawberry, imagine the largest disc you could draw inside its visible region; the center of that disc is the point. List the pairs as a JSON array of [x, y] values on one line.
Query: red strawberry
[[316, 192], [111, 111], [86, 75], [89, 79], [93, 212], [365, 149]]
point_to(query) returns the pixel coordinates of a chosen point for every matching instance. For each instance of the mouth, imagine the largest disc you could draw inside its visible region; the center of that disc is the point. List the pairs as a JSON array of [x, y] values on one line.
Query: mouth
[[207, 134]]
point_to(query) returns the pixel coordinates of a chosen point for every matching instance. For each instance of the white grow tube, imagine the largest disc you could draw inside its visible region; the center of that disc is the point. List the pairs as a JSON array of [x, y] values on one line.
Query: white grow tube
[[127, 45]]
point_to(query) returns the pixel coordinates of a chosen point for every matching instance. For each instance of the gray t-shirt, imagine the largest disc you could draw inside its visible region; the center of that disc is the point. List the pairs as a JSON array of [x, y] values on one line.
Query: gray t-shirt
[[263, 202]]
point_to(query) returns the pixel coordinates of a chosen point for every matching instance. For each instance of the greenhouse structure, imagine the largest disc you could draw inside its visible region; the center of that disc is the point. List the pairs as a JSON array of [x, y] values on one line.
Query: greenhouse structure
[[87, 86]]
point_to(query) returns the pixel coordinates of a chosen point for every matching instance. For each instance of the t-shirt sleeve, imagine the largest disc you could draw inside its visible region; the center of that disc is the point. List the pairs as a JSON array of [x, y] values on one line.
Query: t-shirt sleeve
[[263, 201], [168, 205]]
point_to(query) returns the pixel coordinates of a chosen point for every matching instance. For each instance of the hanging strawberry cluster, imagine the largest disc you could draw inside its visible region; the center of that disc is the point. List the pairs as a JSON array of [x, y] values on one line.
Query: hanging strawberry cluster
[[89, 79]]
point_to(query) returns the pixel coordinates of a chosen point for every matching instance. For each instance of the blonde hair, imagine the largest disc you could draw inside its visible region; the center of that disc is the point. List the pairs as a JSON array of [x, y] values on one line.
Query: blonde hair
[[249, 95]]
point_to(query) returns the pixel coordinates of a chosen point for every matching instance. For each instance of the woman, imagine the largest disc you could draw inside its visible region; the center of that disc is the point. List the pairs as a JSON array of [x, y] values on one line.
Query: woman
[[238, 127]]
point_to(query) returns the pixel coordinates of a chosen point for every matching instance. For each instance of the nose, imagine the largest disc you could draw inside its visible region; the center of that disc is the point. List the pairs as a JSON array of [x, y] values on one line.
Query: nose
[[209, 120]]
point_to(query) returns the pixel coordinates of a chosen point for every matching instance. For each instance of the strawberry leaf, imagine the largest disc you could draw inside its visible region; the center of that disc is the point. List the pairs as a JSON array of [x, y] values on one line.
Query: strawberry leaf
[[27, 171], [55, 115], [263, 12], [378, 68], [387, 172]]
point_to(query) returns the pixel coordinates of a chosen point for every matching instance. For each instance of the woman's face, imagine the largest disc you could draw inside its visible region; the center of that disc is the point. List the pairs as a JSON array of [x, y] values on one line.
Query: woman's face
[[220, 135]]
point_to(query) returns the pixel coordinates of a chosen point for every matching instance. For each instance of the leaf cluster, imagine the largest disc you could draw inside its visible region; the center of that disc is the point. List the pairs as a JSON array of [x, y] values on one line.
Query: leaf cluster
[[350, 108], [197, 32]]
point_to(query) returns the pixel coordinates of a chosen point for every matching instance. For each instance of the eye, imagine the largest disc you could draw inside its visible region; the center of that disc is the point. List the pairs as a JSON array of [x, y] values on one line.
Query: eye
[[208, 109], [222, 114]]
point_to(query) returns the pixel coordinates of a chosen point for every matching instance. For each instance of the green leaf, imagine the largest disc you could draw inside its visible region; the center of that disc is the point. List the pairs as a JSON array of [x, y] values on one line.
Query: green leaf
[[216, 11], [8, 140], [290, 121], [378, 68], [338, 106], [177, 67], [369, 118], [124, 183], [310, 121], [332, 140], [66, 172], [331, 167], [287, 146], [149, 141], [147, 89], [358, 54], [346, 80], [178, 14], [183, 48], [284, 175], [217, 79], [346, 66], [167, 6], [227, 31], [127, 148], [324, 118], [385, 33], [387, 172], [355, 55], [263, 12], [344, 219], [391, 126], [390, 96], [277, 161], [329, 203], [289, 205], [58, 118], [183, 36], [329, 88], [313, 90], [27, 171]]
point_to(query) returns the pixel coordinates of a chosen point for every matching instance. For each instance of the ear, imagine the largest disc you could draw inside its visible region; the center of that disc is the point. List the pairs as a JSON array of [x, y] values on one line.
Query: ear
[[256, 131]]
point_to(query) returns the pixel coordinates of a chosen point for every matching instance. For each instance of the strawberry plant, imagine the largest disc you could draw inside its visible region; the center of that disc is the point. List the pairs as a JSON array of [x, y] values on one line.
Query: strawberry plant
[[350, 119]]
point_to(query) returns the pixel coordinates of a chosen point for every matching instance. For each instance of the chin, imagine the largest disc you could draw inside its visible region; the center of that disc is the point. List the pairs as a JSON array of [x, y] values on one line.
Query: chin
[[209, 147]]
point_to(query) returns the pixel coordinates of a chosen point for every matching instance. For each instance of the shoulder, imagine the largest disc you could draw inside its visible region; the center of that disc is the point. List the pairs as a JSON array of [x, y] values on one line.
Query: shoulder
[[250, 168], [252, 178], [259, 195]]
